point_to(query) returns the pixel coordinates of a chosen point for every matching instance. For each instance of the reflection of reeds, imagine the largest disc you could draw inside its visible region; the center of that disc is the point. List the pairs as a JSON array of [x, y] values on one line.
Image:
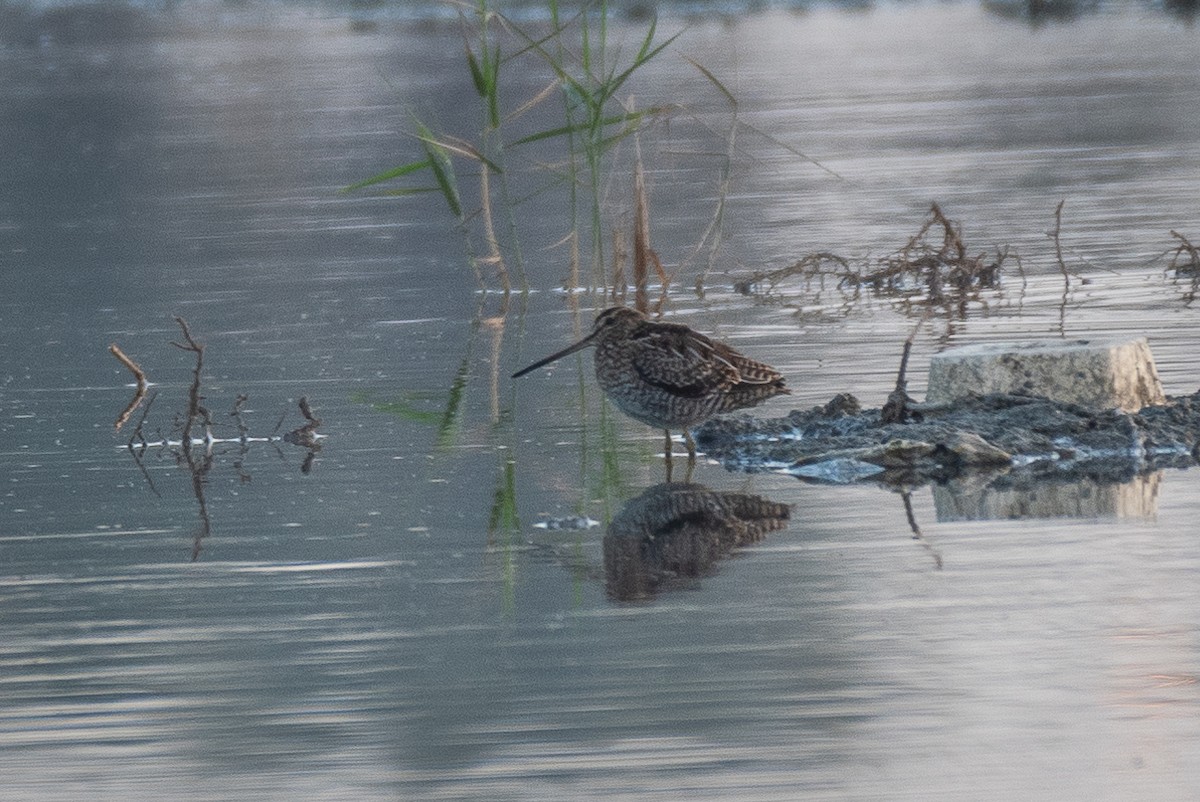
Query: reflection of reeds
[[504, 528]]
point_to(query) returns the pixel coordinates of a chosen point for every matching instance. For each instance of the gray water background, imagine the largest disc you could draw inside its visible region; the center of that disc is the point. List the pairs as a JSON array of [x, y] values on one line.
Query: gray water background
[[373, 628]]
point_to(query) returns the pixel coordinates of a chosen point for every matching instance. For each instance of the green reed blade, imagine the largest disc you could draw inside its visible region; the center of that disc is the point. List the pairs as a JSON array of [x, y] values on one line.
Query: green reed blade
[[388, 175], [615, 119]]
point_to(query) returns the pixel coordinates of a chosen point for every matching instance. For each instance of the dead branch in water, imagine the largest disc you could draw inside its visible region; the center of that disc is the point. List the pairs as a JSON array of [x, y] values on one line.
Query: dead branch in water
[[896, 409], [139, 394], [197, 414], [929, 270], [1189, 268], [196, 410], [198, 456], [808, 268], [306, 434], [1192, 266], [945, 271]]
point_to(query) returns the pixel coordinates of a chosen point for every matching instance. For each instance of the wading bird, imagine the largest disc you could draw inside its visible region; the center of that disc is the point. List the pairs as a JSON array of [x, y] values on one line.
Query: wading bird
[[668, 376]]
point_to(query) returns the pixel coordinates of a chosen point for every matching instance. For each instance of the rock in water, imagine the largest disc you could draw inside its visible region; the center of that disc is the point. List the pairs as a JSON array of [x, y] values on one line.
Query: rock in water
[[1098, 372]]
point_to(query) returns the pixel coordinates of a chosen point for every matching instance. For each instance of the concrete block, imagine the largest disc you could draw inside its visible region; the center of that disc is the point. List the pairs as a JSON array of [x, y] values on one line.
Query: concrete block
[[1099, 372]]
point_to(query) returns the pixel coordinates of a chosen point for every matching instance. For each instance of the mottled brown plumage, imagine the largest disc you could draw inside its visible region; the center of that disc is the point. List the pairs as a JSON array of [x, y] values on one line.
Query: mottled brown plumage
[[668, 376]]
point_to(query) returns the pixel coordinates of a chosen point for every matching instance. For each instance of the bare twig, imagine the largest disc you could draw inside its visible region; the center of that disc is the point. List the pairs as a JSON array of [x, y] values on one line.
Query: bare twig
[[195, 410], [1190, 268], [138, 394], [306, 435], [809, 267], [896, 409], [1185, 247]]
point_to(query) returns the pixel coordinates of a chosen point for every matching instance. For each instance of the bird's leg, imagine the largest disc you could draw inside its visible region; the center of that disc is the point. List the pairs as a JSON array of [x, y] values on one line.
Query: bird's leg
[[691, 445]]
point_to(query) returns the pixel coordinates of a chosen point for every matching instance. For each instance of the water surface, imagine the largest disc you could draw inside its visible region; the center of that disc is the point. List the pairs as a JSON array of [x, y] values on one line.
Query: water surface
[[394, 622]]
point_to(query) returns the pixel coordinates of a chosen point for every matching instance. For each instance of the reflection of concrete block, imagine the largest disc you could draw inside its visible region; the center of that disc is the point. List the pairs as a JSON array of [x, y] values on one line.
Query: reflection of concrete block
[[1085, 498], [1099, 372]]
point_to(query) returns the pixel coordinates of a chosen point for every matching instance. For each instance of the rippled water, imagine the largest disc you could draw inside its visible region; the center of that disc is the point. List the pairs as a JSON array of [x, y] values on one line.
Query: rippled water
[[429, 608]]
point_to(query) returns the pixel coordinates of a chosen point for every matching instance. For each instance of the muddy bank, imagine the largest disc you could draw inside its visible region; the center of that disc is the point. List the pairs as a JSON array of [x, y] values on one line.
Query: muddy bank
[[840, 442]]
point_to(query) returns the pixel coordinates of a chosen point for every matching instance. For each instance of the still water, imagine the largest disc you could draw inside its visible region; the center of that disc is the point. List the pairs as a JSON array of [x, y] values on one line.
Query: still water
[[422, 609]]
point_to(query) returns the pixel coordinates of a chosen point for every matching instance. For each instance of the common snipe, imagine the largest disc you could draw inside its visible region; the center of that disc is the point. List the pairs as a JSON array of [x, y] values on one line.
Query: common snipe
[[668, 376]]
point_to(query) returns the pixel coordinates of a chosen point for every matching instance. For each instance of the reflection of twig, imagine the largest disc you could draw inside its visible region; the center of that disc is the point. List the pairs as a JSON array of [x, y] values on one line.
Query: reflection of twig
[[236, 414], [139, 394], [199, 478], [1062, 266], [243, 437], [199, 470], [906, 497], [138, 435], [139, 451], [1058, 255]]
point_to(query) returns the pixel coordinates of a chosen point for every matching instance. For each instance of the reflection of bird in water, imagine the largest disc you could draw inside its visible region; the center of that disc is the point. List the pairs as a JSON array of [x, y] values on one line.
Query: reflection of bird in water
[[673, 532], [668, 376]]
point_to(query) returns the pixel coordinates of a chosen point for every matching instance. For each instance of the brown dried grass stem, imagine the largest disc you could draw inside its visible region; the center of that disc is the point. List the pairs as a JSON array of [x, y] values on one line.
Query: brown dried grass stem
[[139, 394]]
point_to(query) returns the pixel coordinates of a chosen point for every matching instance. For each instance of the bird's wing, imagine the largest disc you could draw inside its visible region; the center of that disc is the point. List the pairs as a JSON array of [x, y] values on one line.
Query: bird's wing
[[750, 371], [682, 362]]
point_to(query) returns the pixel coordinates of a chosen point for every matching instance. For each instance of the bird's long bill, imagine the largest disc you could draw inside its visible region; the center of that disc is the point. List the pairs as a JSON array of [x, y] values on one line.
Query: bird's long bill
[[570, 349]]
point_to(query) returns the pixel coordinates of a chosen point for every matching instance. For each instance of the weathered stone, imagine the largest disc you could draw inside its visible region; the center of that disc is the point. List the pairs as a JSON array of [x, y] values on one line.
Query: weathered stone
[[1098, 372], [967, 449], [898, 453]]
